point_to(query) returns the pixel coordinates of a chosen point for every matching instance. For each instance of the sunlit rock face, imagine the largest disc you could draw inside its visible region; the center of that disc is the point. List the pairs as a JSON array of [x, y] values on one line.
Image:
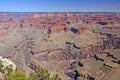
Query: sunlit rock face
[[73, 45]]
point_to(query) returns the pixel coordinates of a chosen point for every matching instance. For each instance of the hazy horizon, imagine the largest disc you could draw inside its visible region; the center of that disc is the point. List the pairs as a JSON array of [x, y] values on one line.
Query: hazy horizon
[[60, 6]]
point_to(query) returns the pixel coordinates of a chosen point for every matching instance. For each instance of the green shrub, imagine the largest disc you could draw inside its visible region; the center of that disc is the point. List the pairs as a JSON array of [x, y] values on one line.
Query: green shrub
[[18, 76], [40, 74], [43, 74]]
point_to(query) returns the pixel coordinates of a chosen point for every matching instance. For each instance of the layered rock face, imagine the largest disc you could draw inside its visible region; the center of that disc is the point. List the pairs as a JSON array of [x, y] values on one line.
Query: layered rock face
[[61, 42]]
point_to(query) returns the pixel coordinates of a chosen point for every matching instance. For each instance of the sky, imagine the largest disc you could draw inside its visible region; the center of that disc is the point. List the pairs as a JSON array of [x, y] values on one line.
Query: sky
[[59, 5]]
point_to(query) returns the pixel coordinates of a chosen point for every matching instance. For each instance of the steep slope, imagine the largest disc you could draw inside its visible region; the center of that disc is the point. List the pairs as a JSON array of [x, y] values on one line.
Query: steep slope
[[65, 43]]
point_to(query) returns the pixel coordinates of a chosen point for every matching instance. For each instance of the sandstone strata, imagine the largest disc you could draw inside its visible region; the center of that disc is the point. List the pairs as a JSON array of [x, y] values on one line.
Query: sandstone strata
[[71, 44]]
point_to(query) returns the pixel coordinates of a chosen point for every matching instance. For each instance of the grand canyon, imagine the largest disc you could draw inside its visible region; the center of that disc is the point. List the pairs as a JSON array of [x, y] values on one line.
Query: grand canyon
[[74, 45]]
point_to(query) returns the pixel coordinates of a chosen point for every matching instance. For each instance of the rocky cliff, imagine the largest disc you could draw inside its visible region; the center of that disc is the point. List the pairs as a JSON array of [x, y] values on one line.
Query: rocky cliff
[[63, 43]]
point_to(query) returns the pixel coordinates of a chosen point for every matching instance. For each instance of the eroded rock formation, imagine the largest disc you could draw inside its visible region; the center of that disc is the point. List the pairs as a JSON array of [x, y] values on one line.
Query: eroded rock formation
[[63, 43]]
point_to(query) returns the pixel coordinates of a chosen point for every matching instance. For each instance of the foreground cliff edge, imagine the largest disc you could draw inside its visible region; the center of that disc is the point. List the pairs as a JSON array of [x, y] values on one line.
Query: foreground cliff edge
[[76, 46]]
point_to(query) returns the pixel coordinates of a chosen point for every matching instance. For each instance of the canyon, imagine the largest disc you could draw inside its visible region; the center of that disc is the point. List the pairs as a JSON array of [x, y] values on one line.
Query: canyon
[[77, 46]]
